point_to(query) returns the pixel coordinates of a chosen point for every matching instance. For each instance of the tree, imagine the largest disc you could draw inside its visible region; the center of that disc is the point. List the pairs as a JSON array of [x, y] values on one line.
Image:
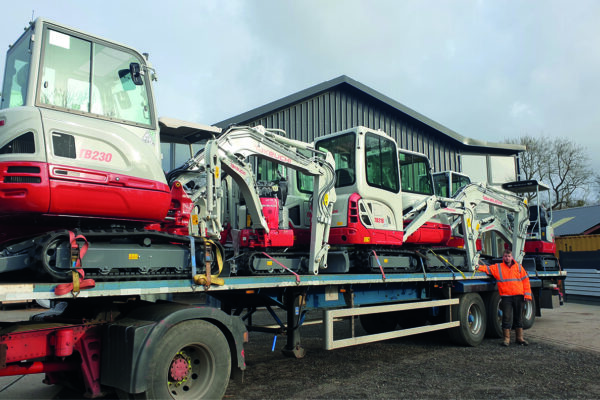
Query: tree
[[596, 190], [559, 162]]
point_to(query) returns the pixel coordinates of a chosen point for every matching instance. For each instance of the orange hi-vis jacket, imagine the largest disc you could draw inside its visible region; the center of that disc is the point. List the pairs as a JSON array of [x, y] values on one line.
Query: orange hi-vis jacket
[[511, 281]]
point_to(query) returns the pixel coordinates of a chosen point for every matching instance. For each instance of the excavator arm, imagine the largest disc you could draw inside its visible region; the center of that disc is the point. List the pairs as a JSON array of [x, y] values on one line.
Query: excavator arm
[[201, 177], [508, 217]]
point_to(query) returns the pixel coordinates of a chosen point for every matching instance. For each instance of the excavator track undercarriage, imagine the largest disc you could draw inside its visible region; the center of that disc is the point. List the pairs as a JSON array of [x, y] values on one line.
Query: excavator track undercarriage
[[120, 254]]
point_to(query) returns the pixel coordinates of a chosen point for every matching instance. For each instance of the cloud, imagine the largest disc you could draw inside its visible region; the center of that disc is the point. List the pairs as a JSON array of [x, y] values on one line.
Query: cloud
[[519, 109]]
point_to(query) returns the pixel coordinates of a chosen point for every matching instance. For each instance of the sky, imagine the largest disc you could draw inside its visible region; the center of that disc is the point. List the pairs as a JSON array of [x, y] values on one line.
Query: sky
[[489, 70]]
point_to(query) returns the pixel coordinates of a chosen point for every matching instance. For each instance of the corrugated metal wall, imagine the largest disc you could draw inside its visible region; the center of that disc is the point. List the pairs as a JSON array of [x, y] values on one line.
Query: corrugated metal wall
[[339, 109], [578, 243], [580, 257]]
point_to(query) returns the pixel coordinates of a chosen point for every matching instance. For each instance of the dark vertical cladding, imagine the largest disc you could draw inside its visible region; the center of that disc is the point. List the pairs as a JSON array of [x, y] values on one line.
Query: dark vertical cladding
[[338, 109], [343, 103]]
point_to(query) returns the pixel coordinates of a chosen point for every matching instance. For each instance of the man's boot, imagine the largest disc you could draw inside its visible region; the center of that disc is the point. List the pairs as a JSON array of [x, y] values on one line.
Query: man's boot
[[506, 341], [519, 337]]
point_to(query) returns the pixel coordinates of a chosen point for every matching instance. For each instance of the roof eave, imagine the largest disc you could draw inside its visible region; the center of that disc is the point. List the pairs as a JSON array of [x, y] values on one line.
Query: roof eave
[[343, 79]]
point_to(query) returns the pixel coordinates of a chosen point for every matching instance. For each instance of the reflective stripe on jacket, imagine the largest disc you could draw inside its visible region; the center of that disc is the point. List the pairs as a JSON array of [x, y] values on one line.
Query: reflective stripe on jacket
[[511, 280]]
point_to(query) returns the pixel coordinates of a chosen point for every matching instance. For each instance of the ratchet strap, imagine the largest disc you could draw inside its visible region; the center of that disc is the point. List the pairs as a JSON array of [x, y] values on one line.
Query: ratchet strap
[[207, 278], [78, 275], [380, 266]]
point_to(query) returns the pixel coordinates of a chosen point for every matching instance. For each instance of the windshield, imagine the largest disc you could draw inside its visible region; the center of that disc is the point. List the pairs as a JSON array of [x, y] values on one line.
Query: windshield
[[89, 77], [16, 73]]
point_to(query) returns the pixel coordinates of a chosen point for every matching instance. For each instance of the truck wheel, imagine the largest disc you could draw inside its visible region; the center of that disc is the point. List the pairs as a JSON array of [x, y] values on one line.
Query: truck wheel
[[378, 323], [529, 313], [471, 314], [494, 316], [192, 362]]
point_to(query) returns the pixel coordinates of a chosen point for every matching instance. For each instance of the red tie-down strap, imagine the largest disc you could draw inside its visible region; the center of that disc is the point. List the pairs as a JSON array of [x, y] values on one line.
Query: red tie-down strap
[[79, 282]]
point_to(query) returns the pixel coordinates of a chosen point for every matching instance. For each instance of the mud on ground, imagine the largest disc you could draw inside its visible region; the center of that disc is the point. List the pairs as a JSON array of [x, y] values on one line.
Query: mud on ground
[[427, 366]]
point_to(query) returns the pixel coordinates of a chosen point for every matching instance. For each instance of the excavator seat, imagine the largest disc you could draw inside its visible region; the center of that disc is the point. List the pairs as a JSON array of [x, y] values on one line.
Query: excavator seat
[[533, 217]]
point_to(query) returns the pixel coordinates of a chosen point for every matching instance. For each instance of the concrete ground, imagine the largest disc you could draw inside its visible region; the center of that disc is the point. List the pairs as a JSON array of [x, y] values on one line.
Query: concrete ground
[[573, 325]]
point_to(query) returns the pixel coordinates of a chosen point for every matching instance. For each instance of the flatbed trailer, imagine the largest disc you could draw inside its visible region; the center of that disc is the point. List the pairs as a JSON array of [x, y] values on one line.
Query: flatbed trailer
[[116, 340]]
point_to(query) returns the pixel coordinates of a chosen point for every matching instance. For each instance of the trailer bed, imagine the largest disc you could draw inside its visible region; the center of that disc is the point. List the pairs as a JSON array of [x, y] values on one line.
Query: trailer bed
[[35, 291]]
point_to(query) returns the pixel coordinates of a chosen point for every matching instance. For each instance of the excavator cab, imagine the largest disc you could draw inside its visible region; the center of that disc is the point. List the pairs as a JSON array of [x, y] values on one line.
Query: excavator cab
[[540, 234], [540, 246], [377, 184], [368, 209], [78, 133]]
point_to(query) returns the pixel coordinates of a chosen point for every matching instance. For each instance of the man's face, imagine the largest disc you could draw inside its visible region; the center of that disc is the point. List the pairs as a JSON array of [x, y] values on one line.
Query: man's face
[[507, 258]]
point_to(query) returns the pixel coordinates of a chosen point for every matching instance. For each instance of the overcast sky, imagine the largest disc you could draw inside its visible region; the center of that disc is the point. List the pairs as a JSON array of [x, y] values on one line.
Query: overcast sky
[[489, 70]]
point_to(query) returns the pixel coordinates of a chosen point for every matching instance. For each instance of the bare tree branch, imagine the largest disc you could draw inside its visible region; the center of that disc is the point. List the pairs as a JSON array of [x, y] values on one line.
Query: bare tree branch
[[561, 163]]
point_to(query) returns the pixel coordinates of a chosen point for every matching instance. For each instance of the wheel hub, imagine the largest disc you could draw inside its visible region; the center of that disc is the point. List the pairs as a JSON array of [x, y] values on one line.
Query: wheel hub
[[180, 367]]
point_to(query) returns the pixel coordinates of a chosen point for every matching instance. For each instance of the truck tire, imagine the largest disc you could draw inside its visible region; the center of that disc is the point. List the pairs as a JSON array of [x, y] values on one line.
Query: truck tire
[[193, 362], [378, 323], [472, 316], [494, 316], [529, 313]]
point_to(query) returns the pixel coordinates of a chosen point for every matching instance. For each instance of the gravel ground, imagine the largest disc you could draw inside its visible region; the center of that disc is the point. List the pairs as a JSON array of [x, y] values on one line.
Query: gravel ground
[[417, 367]]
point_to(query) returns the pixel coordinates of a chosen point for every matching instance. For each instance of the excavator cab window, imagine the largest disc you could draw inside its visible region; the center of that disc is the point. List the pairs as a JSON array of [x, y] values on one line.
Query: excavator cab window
[[305, 182], [441, 182], [16, 74], [449, 183], [269, 171], [415, 173], [83, 76], [459, 182], [382, 163], [342, 149]]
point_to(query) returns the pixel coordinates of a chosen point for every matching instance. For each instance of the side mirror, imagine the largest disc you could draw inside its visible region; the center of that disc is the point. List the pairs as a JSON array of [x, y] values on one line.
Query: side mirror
[[136, 74], [132, 77]]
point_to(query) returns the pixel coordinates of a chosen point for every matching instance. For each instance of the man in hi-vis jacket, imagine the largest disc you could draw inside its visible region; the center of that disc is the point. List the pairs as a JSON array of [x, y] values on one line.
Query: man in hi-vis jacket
[[514, 290]]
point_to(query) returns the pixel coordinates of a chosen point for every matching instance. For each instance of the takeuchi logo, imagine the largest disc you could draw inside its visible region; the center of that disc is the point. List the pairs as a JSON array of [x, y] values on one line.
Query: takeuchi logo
[[236, 168], [273, 154], [490, 200]]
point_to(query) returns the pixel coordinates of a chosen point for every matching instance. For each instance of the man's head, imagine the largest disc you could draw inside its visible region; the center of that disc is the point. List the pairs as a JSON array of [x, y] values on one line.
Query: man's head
[[507, 257]]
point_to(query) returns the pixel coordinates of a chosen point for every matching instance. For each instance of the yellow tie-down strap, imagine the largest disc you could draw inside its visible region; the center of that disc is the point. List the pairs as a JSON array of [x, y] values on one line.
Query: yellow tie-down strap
[[208, 279]]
